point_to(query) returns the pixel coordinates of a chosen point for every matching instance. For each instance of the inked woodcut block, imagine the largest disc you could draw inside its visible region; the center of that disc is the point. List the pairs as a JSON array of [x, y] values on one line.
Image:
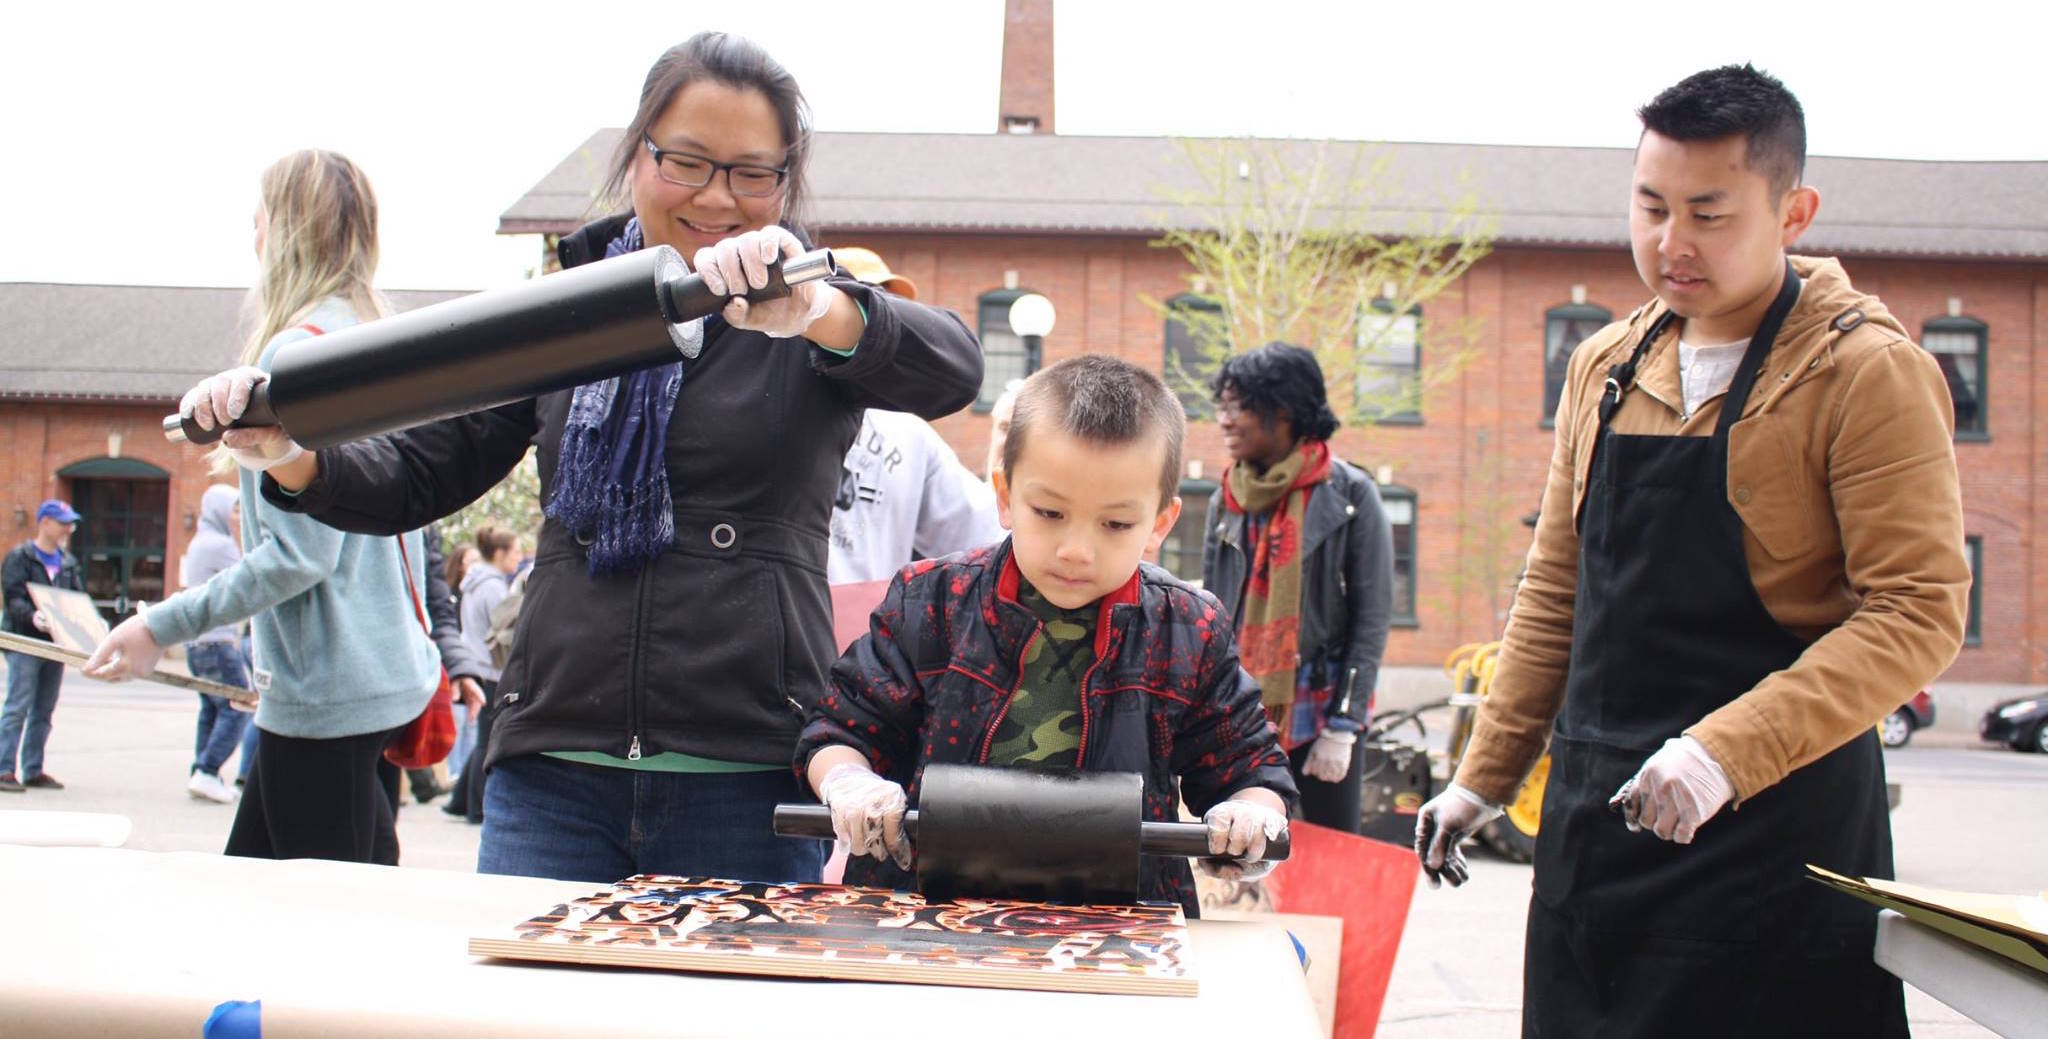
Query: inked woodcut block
[[864, 934]]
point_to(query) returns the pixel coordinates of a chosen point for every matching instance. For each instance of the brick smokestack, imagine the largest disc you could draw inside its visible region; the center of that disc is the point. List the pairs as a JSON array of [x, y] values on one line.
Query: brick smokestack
[[1026, 105]]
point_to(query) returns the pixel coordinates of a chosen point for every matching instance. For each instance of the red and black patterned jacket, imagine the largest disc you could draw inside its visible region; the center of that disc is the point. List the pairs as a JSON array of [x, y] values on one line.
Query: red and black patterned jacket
[[1165, 697]]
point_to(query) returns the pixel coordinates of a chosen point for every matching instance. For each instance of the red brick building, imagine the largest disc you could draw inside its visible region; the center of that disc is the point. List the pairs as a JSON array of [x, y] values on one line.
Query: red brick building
[[1958, 250]]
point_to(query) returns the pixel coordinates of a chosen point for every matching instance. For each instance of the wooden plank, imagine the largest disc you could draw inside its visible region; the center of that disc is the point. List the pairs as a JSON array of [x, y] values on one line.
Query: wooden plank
[[860, 934], [242, 698]]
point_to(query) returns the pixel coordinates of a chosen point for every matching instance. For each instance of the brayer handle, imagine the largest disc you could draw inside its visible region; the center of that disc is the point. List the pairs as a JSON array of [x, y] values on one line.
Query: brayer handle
[[685, 298], [180, 429], [1190, 840]]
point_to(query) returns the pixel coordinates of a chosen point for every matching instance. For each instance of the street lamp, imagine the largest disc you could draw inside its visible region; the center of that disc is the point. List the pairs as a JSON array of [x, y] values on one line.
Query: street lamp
[[1031, 317]]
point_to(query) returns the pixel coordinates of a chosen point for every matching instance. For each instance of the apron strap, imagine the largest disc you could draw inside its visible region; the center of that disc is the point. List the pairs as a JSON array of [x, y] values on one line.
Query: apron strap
[[1622, 377], [1759, 348]]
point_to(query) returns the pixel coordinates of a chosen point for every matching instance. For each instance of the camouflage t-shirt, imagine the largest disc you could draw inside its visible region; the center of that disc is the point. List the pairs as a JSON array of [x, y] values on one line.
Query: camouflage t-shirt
[[1042, 728]]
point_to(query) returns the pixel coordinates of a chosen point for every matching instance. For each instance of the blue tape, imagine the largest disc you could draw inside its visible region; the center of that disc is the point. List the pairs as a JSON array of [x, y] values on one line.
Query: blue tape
[[235, 1019], [1300, 953]]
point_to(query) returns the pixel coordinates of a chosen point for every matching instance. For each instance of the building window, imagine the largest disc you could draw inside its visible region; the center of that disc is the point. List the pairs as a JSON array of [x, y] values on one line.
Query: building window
[[1973, 546], [1181, 552], [1187, 365], [1564, 328], [1002, 351], [1960, 345], [1390, 365], [1399, 505]]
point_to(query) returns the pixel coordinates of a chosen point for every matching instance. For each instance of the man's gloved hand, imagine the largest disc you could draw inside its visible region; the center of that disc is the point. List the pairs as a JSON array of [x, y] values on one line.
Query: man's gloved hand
[[867, 813], [1238, 832], [129, 651], [1329, 757], [221, 399], [1442, 825], [41, 620], [1675, 792], [740, 263]]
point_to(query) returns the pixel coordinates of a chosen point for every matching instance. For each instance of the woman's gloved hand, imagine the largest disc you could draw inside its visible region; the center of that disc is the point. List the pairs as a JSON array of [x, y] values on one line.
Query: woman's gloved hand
[[740, 263]]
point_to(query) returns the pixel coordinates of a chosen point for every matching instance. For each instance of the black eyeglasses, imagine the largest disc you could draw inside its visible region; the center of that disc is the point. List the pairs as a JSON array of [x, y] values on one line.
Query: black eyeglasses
[[688, 170]]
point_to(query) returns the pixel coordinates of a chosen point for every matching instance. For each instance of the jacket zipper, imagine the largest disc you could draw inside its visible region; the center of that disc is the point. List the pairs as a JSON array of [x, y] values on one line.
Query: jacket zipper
[[988, 738], [633, 693]]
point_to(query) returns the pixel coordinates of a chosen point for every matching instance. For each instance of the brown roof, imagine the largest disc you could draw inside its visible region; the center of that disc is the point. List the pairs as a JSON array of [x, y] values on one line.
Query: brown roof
[[124, 342], [966, 183]]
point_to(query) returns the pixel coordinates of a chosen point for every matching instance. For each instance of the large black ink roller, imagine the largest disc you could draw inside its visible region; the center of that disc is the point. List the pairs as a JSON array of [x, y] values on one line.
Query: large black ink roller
[[1020, 833], [475, 352]]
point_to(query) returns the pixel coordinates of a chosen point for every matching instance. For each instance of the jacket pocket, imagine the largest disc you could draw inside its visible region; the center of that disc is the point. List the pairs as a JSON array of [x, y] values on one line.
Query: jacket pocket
[[714, 656], [1770, 487]]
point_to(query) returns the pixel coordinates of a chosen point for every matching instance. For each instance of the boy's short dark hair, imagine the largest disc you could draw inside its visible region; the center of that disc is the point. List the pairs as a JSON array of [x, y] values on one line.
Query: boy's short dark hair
[[1279, 380], [1101, 400], [1736, 99]]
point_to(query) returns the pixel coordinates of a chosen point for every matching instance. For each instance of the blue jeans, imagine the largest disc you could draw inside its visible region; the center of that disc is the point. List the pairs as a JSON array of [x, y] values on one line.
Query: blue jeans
[[220, 725], [544, 817], [465, 738], [32, 684]]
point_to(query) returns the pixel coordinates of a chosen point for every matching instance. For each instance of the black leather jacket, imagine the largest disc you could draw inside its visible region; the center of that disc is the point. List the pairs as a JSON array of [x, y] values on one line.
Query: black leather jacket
[[717, 647], [1347, 576]]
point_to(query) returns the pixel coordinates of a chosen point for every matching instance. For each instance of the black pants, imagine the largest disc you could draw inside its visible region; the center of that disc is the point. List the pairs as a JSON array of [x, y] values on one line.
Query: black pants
[[315, 799], [1335, 805], [468, 791]]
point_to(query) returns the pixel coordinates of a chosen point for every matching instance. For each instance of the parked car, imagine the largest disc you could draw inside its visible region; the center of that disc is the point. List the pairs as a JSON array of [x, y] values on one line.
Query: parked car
[[2021, 724], [1898, 727]]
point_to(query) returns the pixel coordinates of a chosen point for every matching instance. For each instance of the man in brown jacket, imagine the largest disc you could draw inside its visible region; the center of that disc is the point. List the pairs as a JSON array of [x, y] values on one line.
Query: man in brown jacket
[[1750, 550]]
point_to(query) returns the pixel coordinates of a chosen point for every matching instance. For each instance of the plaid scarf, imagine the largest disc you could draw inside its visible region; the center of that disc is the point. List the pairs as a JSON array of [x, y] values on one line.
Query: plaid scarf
[[1268, 639], [611, 481]]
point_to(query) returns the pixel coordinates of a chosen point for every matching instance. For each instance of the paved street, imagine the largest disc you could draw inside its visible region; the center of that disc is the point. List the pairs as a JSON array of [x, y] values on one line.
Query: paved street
[[1970, 818]]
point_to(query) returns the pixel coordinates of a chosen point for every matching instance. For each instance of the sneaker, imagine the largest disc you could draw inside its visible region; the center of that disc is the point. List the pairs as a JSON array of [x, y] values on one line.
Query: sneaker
[[44, 781], [10, 784], [205, 786]]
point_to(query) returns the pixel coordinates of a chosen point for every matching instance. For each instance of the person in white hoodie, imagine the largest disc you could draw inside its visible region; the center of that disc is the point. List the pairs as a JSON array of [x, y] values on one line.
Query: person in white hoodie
[[217, 652], [903, 493]]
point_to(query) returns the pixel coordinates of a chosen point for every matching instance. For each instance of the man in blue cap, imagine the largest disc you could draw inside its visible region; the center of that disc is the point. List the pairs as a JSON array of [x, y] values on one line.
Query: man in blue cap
[[31, 681]]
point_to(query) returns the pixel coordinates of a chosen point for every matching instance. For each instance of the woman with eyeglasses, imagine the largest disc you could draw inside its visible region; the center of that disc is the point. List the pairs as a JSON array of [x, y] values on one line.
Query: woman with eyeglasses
[[676, 625]]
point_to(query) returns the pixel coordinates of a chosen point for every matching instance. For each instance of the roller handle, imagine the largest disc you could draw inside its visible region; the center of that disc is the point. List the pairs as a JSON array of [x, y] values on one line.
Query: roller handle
[[181, 429], [1188, 840]]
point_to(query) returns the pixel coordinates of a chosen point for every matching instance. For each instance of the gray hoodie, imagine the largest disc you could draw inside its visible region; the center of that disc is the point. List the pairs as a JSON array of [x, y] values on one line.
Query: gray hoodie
[[483, 587], [212, 550]]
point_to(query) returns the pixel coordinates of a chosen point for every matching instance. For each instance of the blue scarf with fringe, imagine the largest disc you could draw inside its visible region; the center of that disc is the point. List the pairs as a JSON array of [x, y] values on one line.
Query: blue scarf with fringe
[[611, 481]]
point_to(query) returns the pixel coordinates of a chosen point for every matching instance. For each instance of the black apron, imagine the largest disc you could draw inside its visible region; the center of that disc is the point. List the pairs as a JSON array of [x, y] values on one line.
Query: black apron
[[1630, 935]]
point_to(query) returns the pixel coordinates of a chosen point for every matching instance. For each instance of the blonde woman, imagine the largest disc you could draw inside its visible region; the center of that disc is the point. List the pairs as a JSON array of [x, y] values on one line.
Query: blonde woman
[[340, 658]]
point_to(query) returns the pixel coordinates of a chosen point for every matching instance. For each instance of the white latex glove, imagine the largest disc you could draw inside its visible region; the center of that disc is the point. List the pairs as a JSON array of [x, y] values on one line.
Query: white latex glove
[[733, 266], [867, 812], [221, 399], [1238, 832], [1442, 825], [41, 620], [129, 651], [1675, 792], [1329, 757]]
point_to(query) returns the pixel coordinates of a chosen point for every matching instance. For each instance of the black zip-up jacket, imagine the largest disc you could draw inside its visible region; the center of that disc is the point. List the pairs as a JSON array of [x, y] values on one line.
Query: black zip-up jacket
[[717, 647], [24, 568], [1165, 697], [1347, 579]]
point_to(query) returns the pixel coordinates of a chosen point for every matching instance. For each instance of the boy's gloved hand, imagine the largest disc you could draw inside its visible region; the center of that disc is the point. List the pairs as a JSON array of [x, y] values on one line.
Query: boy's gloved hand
[[867, 813], [1329, 757], [1240, 830], [1443, 823]]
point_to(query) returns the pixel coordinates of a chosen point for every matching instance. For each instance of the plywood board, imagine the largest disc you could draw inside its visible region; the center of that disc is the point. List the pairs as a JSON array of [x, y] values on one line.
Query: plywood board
[[75, 623], [855, 933]]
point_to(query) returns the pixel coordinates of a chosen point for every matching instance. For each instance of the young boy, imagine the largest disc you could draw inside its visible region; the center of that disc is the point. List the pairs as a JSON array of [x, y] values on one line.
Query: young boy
[[1057, 649]]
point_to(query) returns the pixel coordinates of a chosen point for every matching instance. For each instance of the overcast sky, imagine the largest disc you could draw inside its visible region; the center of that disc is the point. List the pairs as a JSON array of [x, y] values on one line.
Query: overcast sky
[[133, 137]]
